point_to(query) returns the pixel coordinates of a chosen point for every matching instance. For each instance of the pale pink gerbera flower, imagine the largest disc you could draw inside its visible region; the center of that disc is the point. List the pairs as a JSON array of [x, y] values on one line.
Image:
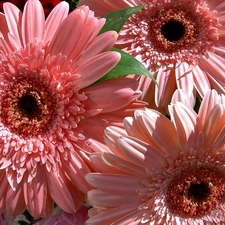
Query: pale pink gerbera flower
[[163, 171], [51, 105], [181, 42]]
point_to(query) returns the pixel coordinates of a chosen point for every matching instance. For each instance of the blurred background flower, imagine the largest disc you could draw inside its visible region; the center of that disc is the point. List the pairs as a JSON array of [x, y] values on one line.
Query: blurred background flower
[[181, 42], [163, 171]]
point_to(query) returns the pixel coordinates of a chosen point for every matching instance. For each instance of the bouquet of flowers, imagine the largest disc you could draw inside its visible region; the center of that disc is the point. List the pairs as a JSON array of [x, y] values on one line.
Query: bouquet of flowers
[[112, 112]]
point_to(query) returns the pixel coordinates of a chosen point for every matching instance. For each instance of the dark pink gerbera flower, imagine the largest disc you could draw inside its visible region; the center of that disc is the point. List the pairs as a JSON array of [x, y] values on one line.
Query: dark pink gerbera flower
[[51, 108], [181, 42]]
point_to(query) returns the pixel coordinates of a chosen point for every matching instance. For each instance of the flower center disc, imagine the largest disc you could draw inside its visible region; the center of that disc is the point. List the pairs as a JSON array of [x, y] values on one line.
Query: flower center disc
[[195, 190], [27, 108], [172, 30]]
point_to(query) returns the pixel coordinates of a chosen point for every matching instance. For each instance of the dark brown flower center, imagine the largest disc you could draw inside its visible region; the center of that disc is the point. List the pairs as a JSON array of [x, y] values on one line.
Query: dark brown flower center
[[27, 108], [173, 30], [195, 190]]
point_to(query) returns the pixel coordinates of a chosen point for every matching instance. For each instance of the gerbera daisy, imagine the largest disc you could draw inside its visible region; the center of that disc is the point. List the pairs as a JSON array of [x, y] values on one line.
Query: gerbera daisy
[[163, 171], [181, 42], [51, 105]]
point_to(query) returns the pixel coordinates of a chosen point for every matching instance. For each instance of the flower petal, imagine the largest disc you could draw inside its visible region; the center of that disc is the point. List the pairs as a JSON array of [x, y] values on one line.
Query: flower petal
[[121, 90], [99, 66], [140, 152], [35, 193], [33, 22], [54, 19], [185, 120], [13, 17], [213, 125]]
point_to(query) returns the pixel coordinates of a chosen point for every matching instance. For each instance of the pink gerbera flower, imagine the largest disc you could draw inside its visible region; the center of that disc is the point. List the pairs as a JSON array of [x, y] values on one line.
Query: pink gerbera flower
[[51, 105], [181, 42], [163, 171]]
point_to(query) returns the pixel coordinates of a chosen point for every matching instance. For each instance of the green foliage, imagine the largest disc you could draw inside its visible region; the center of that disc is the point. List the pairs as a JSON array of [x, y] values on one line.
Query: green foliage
[[127, 65], [116, 19]]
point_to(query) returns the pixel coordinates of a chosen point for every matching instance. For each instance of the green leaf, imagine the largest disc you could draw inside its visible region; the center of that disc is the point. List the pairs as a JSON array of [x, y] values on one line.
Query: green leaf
[[116, 19], [127, 65]]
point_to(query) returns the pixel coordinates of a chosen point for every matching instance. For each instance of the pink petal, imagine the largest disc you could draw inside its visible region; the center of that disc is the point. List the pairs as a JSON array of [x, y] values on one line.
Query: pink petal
[[100, 166], [210, 99], [14, 18], [184, 78], [214, 65], [213, 125], [35, 193], [121, 89], [140, 153], [201, 81], [123, 165], [33, 22], [165, 88], [180, 96], [60, 192], [97, 198], [184, 120], [162, 131], [76, 169], [102, 43], [114, 183], [15, 203], [54, 19], [71, 38], [99, 66]]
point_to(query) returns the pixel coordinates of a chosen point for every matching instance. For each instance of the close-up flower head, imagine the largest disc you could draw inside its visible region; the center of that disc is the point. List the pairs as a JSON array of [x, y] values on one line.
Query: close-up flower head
[[52, 106], [163, 171], [181, 42]]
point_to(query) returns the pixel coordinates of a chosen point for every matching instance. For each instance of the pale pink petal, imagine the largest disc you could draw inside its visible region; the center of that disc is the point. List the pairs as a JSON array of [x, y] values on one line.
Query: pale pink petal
[[185, 121], [35, 193], [210, 100], [98, 65], [180, 96], [62, 196], [14, 18], [213, 124], [33, 22], [71, 39], [54, 19], [156, 125], [140, 152], [201, 81], [121, 89], [15, 203], [166, 86], [99, 164], [76, 170], [98, 197], [184, 78], [214, 65], [102, 43], [126, 183], [123, 165]]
